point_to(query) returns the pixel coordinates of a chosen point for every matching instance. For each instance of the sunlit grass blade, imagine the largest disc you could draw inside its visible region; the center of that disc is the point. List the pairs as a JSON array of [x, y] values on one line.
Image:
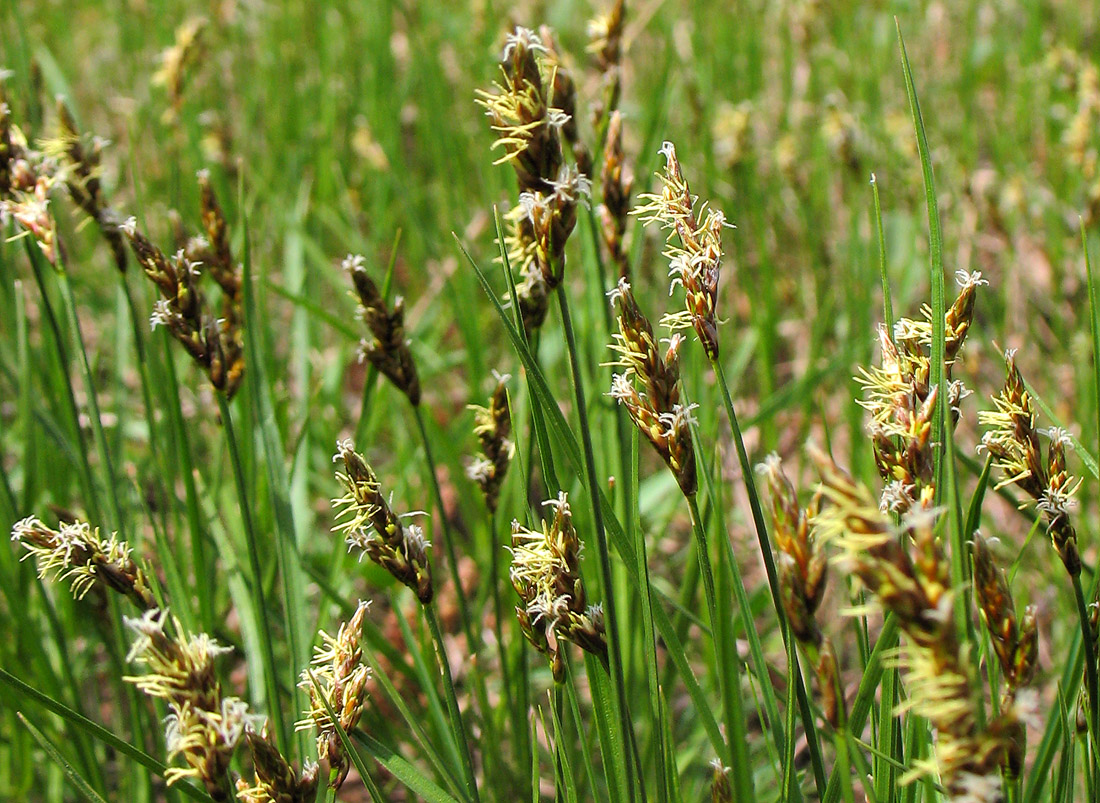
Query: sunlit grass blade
[[404, 770], [938, 376]]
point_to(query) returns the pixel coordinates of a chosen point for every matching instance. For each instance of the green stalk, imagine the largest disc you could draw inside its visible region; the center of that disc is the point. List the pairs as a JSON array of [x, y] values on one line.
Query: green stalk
[[445, 528], [737, 744], [452, 702], [263, 627], [114, 509], [649, 637], [199, 563], [805, 712], [473, 644], [87, 483], [1091, 680], [615, 658]]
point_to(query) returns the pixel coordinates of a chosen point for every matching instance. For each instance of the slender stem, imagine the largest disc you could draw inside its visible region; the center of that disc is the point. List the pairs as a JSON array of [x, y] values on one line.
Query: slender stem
[[452, 702], [473, 644], [263, 628], [114, 508], [805, 712], [498, 618], [615, 658], [445, 529], [87, 482], [736, 749], [1091, 679], [650, 639]]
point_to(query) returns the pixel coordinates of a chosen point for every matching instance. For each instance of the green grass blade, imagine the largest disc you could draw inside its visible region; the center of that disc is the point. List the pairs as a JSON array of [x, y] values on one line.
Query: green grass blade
[[96, 731], [938, 378], [887, 301], [278, 487], [75, 778], [404, 770]]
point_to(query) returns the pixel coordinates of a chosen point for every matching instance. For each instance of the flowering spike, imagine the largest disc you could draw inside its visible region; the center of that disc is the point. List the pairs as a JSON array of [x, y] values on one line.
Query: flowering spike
[[373, 528], [493, 427], [656, 409], [694, 249], [546, 575], [387, 349], [78, 554], [341, 681]]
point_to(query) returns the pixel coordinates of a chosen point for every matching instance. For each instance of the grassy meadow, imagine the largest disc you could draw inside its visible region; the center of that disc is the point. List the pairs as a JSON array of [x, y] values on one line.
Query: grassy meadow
[[572, 401]]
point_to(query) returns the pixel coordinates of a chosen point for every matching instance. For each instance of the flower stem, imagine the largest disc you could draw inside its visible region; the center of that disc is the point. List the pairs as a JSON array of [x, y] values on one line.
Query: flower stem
[[263, 629], [452, 702], [615, 660], [805, 712], [1091, 679], [736, 748], [472, 643]]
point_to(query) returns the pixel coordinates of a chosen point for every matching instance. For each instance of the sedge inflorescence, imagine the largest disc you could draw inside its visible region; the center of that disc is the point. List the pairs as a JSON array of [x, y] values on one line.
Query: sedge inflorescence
[[76, 553], [336, 680], [371, 527], [907, 570], [530, 129], [546, 575], [1013, 440], [656, 409], [693, 247], [203, 726]]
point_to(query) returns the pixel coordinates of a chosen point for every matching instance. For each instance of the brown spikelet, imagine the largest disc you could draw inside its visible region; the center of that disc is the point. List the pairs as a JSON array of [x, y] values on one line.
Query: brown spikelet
[[184, 311], [78, 554], [909, 574], [176, 63], [337, 676], [802, 567], [563, 94], [387, 349], [7, 152], [693, 246], [617, 182], [1013, 441], [203, 727], [371, 526], [82, 179], [720, 789], [902, 402], [656, 409], [530, 132], [605, 35], [493, 427], [275, 780]]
